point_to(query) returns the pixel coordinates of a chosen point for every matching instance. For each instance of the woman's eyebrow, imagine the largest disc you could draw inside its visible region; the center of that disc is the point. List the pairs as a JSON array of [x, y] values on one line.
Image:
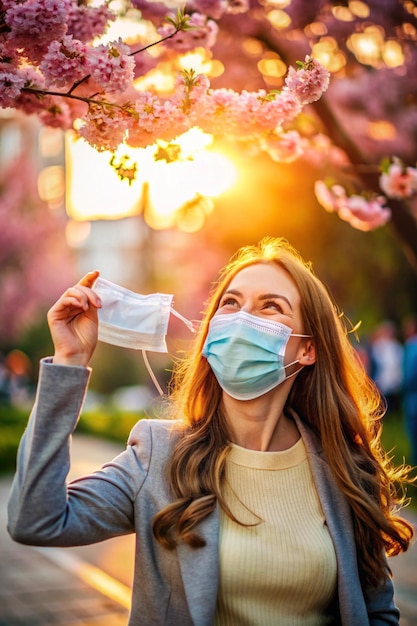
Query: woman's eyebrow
[[234, 292]]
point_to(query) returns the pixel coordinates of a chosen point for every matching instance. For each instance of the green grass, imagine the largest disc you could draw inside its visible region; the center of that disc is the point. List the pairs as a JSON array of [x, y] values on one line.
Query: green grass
[[12, 424], [109, 424]]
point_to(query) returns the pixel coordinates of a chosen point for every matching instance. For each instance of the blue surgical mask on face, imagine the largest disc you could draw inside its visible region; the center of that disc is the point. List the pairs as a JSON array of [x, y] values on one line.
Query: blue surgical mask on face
[[246, 353]]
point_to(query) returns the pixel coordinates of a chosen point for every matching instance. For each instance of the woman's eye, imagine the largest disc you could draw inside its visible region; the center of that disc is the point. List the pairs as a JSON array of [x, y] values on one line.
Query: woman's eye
[[228, 302], [273, 305]]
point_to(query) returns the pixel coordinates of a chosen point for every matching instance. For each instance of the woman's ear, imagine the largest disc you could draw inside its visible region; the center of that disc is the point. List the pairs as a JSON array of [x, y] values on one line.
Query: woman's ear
[[308, 355]]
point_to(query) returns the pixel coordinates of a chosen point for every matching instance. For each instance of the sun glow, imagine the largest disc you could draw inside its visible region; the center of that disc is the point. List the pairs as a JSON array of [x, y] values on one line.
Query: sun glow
[[161, 190]]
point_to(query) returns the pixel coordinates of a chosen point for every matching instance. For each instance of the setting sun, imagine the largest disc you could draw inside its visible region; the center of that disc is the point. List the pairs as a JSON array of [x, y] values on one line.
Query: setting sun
[[94, 191]]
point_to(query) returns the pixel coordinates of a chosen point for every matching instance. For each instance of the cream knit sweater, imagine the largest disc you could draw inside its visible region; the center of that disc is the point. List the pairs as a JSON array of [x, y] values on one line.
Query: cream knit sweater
[[282, 570]]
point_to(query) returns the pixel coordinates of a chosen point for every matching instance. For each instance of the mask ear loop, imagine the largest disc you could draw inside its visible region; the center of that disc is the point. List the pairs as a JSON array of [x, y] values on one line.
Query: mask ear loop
[[188, 323], [151, 374], [190, 326]]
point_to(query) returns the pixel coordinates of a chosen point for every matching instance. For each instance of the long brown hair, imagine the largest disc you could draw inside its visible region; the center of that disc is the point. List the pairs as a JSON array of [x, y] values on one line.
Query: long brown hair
[[335, 397]]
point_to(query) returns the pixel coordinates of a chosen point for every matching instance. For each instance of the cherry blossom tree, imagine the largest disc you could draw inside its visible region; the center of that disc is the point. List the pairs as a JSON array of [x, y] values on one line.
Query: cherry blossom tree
[[34, 259], [268, 65]]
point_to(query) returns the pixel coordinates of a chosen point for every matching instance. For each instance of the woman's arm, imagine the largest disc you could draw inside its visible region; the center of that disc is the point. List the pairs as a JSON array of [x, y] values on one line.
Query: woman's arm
[[42, 511]]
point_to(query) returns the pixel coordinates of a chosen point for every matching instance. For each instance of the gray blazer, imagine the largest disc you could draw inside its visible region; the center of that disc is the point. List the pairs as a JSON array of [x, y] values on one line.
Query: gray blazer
[[171, 587]]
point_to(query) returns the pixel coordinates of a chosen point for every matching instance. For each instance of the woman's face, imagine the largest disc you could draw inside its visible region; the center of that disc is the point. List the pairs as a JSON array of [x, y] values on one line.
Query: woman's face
[[265, 290]]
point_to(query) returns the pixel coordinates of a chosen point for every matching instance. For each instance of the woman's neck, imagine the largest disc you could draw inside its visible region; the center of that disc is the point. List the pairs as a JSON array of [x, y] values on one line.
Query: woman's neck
[[260, 424]]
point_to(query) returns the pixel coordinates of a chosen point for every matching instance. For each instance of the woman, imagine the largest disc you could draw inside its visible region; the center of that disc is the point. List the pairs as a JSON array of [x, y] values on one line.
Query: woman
[[268, 499]]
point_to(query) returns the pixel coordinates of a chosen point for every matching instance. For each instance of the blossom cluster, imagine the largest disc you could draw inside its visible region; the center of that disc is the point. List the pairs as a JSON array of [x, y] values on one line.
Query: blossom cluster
[[257, 116], [362, 213], [397, 181], [203, 33], [69, 80]]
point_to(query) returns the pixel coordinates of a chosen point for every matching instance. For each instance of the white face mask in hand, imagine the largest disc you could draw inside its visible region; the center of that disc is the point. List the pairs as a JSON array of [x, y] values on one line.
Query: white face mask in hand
[[133, 320]]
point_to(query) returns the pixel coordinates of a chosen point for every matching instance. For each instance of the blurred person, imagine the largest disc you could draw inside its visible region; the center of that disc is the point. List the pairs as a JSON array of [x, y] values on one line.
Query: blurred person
[[14, 378], [265, 497], [386, 354], [409, 395], [4, 382], [19, 366], [362, 351]]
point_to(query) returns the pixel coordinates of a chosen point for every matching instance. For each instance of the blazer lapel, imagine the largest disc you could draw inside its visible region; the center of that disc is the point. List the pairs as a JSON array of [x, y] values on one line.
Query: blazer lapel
[[339, 521], [200, 572]]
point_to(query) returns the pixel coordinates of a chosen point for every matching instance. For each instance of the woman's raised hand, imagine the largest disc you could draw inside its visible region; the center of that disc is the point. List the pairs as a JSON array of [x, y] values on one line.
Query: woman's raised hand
[[73, 323]]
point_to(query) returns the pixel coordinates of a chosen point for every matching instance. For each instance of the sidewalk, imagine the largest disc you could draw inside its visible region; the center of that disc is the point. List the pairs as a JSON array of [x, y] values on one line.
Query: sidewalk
[[39, 588], [34, 591]]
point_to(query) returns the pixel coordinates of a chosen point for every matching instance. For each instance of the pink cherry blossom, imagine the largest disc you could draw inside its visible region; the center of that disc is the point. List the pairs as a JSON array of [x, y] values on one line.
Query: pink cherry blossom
[[190, 89], [8, 54], [329, 196], [57, 114], [152, 112], [87, 22], [155, 119], [105, 127], [361, 213], [7, 4], [212, 8], [288, 104], [27, 102], [216, 112], [399, 181], [202, 34], [320, 151], [257, 110], [152, 11], [65, 62], [364, 214], [284, 147], [35, 23], [12, 82], [246, 114], [309, 81], [40, 18], [111, 67]]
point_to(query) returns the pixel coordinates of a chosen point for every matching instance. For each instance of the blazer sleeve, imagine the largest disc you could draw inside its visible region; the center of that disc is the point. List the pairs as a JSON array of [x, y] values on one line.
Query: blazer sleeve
[[382, 610], [43, 509]]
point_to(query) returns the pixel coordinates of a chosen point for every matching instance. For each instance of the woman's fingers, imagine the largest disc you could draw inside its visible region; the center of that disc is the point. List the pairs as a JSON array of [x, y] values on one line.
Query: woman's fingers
[[76, 299], [81, 294], [89, 279]]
